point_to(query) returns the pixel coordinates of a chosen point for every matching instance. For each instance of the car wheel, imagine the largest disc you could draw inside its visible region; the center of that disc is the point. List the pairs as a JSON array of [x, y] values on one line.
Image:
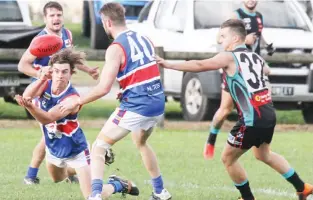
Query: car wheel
[[196, 106]]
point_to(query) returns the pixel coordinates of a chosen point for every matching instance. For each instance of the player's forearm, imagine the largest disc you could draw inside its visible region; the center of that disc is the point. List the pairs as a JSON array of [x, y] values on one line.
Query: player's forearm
[[188, 66], [95, 94], [40, 115], [27, 68], [83, 68], [220, 117], [35, 89]]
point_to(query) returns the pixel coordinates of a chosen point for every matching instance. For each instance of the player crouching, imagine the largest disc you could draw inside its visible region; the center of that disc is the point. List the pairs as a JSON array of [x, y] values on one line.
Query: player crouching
[[66, 145]]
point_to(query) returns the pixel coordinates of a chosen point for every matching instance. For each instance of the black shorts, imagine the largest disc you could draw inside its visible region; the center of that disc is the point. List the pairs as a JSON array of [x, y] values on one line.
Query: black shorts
[[245, 137]]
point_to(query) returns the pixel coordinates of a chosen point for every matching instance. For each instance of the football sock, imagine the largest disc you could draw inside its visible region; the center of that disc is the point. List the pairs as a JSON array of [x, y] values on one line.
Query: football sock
[[292, 177], [157, 184], [245, 190], [213, 134], [32, 172], [117, 186], [96, 187]]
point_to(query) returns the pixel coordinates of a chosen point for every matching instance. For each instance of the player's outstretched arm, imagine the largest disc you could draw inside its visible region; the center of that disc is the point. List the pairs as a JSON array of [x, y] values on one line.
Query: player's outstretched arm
[[113, 61], [26, 64], [91, 71], [221, 60], [54, 113], [36, 88]]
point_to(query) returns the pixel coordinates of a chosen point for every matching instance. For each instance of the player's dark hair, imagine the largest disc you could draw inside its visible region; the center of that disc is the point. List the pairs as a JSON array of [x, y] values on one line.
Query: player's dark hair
[[52, 4], [68, 56], [115, 12], [237, 26]]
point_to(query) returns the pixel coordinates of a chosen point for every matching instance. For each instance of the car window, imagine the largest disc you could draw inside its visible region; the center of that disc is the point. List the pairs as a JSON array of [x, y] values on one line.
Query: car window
[[10, 12], [276, 14], [180, 10], [132, 11], [164, 10]]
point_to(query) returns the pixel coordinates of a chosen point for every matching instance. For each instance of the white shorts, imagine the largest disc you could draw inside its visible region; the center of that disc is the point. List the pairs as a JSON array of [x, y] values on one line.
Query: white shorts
[[81, 160], [132, 121]]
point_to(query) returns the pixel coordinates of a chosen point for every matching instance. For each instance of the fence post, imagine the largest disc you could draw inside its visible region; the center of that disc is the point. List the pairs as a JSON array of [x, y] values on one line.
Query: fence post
[[160, 52]]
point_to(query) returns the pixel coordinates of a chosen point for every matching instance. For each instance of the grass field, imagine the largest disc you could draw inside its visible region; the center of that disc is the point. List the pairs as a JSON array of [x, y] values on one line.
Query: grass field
[[102, 109], [186, 174]]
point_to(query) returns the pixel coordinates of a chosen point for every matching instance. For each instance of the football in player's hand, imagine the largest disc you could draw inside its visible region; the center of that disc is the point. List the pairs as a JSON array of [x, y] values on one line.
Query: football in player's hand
[[45, 45]]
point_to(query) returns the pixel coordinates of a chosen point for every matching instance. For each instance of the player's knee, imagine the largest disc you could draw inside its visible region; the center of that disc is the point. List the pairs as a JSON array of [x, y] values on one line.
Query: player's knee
[[139, 144], [225, 160], [228, 158], [262, 157], [226, 111], [99, 148]]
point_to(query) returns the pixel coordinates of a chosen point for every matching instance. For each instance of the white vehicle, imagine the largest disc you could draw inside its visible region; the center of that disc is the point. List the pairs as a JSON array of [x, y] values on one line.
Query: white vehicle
[[16, 31], [192, 26]]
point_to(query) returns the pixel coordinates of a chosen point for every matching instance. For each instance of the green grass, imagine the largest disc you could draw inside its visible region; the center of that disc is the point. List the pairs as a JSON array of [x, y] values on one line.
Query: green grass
[[100, 109], [103, 108], [186, 174]]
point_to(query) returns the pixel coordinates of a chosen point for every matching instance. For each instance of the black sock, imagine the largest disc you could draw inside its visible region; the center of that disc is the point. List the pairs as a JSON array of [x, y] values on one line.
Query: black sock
[[245, 190], [296, 182], [212, 139]]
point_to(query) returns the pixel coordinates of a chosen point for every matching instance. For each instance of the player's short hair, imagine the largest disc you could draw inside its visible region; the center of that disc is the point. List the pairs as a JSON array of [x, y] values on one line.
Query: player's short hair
[[237, 26], [115, 12], [68, 56], [52, 4]]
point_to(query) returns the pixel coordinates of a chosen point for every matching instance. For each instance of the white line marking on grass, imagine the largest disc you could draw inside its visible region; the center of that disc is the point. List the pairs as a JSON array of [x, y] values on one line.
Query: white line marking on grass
[[266, 191]]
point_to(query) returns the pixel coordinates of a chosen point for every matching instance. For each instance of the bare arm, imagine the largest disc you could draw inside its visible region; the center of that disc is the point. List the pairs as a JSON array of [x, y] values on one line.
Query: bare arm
[[54, 114], [221, 60], [91, 71], [35, 89], [113, 61], [83, 68], [26, 64]]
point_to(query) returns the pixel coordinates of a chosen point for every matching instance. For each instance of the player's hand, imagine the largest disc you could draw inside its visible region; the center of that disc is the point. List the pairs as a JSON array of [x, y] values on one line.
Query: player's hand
[[69, 105], [45, 73], [94, 72], [19, 99], [162, 62], [24, 102], [250, 38]]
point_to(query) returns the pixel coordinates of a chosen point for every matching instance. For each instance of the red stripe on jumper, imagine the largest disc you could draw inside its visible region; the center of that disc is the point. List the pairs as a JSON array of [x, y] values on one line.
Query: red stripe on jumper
[[140, 75]]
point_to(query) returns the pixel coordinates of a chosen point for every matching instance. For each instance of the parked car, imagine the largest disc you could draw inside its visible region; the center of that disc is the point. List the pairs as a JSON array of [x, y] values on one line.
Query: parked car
[[192, 26], [16, 31], [92, 26]]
